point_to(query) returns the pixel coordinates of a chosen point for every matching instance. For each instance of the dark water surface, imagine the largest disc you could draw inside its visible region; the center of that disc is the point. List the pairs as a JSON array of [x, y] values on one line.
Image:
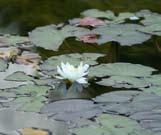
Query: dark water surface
[[22, 16]]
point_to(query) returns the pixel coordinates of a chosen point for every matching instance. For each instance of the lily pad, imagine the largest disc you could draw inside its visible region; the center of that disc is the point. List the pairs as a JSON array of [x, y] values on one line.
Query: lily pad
[[9, 40], [19, 76], [130, 102], [3, 65], [112, 125], [28, 97], [152, 22], [25, 120], [150, 18], [154, 80], [125, 34], [117, 96], [31, 90], [120, 69], [49, 37], [154, 29], [153, 89], [69, 110], [98, 14], [112, 18], [75, 59], [124, 82]]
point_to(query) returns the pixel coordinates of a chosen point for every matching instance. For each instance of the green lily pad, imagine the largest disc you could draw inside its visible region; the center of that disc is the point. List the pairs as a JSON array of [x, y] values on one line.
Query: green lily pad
[[9, 40], [112, 125], [28, 97], [12, 121], [154, 80], [70, 110], [153, 89], [33, 105], [116, 96], [19, 76], [31, 90], [124, 82], [154, 29], [98, 14], [5, 77], [49, 37], [3, 65], [51, 64], [152, 22], [150, 18], [108, 15], [125, 34], [120, 69]]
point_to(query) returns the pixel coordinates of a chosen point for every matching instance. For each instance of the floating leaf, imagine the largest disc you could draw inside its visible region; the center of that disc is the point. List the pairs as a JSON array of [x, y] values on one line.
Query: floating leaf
[[154, 80], [27, 97], [74, 59], [72, 109], [49, 37], [117, 96], [98, 14], [124, 82], [154, 29], [108, 15], [153, 89], [130, 102], [120, 69], [11, 121], [150, 18], [19, 76], [152, 22], [125, 34], [112, 125], [9, 40], [32, 90], [3, 65]]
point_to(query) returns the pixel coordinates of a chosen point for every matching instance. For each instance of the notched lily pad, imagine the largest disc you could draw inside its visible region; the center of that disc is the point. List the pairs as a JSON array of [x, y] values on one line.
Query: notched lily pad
[[3, 65], [109, 15], [49, 37], [49, 66], [11, 121], [124, 82], [112, 124], [125, 34], [120, 69], [9, 40], [69, 110]]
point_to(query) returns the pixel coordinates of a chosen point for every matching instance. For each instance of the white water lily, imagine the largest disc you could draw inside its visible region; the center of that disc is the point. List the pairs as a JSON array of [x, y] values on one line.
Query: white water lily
[[72, 73]]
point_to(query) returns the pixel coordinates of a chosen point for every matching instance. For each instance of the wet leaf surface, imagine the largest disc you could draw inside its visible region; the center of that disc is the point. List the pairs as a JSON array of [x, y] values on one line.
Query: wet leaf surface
[[121, 69], [70, 110], [12, 120], [112, 124], [49, 37], [124, 82], [125, 34], [75, 59]]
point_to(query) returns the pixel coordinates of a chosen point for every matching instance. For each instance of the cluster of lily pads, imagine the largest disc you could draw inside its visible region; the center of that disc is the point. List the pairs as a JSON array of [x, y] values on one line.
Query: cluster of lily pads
[[26, 82]]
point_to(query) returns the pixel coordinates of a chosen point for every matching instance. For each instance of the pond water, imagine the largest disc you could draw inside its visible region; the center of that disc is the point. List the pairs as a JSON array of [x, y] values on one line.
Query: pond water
[[22, 16]]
